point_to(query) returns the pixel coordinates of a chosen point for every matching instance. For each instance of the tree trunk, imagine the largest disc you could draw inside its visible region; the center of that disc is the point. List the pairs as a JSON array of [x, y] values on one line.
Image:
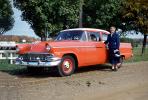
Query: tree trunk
[[81, 14], [144, 44], [43, 37]]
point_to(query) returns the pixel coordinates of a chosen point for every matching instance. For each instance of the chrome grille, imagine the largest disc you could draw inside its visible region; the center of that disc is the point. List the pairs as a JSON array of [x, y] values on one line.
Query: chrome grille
[[34, 57]]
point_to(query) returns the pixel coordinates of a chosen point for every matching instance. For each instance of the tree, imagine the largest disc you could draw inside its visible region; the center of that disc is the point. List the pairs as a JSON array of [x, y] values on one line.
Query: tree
[[101, 13], [53, 15], [6, 19], [135, 15], [61, 14]]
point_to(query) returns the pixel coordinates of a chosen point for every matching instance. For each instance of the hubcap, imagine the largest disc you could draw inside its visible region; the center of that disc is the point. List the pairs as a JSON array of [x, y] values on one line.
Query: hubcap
[[67, 66]]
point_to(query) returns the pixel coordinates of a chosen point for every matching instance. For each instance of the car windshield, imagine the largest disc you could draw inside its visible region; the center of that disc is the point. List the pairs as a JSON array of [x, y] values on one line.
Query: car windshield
[[70, 35]]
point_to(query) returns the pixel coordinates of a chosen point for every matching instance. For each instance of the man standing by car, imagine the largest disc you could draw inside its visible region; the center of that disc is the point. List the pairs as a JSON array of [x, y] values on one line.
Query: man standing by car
[[113, 42]]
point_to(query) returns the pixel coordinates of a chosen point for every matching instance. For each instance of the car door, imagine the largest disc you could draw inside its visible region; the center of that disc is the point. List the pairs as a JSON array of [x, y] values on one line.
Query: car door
[[97, 53], [85, 55]]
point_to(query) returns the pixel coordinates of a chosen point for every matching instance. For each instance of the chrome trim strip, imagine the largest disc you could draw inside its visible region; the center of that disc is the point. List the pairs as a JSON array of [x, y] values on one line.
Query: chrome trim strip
[[38, 53], [50, 62], [39, 64], [75, 47]]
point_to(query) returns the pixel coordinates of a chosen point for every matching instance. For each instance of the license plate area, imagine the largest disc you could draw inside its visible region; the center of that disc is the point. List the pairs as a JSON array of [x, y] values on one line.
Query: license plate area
[[33, 63]]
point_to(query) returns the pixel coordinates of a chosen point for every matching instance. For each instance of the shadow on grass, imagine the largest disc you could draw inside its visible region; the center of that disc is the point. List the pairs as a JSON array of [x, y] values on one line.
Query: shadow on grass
[[49, 72]]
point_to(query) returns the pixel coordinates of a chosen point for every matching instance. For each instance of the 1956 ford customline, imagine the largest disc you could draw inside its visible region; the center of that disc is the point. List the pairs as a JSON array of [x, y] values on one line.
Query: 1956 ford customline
[[72, 49]]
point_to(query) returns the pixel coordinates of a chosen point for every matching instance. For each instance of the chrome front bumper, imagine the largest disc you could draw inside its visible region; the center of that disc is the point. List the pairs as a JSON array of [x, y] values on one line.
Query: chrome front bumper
[[51, 63]]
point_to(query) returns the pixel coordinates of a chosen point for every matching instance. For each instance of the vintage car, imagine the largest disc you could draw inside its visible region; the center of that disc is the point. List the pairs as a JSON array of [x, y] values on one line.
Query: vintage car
[[72, 49]]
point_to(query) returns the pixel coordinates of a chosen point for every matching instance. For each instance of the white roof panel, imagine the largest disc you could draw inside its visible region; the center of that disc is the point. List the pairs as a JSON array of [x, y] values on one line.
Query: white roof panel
[[86, 29]]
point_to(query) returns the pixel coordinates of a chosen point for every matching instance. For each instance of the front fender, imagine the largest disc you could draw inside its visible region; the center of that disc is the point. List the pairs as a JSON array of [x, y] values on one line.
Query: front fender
[[23, 48]]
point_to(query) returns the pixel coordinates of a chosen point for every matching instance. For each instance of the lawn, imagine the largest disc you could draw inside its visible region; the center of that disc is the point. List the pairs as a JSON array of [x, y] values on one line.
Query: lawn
[[136, 58], [137, 55], [10, 68]]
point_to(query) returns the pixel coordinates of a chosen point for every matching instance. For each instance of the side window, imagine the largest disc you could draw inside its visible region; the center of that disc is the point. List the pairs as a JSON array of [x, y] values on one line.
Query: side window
[[93, 36], [104, 37]]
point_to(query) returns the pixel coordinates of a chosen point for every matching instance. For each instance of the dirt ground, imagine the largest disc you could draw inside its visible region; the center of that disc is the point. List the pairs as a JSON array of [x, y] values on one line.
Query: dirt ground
[[93, 83]]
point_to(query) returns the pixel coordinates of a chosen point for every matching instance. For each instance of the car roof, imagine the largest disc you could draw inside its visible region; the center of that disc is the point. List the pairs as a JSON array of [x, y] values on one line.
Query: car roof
[[87, 29]]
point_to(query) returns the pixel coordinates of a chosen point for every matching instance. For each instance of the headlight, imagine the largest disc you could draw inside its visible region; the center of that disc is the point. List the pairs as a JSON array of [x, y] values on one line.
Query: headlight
[[48, 47]]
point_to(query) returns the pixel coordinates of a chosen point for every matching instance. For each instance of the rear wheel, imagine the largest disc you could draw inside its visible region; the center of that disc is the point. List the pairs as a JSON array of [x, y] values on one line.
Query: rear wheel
[[67, 66]]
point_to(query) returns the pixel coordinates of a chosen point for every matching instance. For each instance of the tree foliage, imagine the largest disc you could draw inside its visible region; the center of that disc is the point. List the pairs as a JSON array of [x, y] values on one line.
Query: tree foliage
[[6, 19], [135, 14], [53, 14], [62, 14], [101, 13]]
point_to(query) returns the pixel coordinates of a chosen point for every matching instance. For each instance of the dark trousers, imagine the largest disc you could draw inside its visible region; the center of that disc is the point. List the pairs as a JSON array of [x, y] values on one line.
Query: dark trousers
[[112, 58]]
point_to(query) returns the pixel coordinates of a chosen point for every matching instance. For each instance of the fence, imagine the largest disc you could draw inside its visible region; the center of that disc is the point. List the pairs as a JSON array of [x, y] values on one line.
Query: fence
[[7, 52], [8, 55]]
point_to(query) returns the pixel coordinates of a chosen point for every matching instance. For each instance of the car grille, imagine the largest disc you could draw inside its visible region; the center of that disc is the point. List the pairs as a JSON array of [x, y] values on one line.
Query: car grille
[[34, 57]]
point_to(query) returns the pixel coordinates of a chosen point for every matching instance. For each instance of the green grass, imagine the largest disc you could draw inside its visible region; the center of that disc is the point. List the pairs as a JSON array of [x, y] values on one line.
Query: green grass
[[137, 55], [136, 58], [10, 67], [7, 66]]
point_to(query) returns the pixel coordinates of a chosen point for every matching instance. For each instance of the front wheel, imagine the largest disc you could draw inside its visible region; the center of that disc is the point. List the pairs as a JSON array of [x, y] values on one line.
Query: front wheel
[[67, 66]]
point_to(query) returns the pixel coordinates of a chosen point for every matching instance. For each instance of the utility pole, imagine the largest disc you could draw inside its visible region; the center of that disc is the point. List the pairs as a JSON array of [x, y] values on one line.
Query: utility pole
[[81, 14]]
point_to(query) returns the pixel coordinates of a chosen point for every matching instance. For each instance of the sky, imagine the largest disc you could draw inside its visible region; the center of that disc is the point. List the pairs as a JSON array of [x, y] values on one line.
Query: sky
[[23, 28], [20, 27]]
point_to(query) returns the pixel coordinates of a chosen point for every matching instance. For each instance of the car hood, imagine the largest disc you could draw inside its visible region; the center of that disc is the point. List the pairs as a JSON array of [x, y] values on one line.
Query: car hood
[[40, 47]]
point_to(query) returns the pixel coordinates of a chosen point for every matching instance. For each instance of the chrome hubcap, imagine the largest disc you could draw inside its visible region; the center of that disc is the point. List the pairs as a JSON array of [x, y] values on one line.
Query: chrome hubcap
[[67, 64]]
